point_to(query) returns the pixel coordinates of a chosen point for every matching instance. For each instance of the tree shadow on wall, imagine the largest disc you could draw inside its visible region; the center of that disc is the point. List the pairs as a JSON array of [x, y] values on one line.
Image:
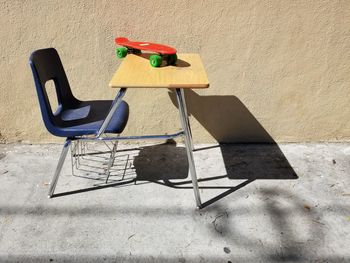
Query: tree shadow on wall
[[248, 151]]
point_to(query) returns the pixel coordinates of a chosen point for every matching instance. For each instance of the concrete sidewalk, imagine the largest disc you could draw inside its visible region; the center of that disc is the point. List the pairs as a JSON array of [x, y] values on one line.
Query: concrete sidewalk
[[262, 203]]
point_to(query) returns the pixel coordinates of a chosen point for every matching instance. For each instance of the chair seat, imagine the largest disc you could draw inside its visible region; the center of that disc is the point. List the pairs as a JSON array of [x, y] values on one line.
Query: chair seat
[[86, 118]]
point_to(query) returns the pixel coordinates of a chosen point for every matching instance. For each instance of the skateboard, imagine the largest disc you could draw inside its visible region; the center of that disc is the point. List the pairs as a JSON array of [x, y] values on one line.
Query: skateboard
[[164, 53]]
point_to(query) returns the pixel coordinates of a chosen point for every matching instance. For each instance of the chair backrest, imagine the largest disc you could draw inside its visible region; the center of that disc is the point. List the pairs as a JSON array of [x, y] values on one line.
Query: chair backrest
[[46, 65]]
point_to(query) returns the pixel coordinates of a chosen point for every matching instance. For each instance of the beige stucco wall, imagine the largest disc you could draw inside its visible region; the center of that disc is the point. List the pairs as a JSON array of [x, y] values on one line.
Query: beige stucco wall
[[278, 69]]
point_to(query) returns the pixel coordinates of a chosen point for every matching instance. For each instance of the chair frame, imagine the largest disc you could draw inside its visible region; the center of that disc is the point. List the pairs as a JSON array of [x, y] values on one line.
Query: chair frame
[[186, 133]]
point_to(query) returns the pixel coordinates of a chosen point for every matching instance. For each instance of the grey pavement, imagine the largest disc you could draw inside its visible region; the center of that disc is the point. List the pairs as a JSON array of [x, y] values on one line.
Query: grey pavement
[[261, 203]]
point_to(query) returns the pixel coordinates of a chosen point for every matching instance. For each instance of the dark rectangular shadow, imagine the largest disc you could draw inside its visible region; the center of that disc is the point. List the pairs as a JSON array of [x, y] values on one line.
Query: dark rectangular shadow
[[248, 151]]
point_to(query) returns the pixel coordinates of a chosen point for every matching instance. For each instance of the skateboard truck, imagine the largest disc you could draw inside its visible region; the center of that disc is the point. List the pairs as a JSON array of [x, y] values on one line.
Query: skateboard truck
[[164, 53]]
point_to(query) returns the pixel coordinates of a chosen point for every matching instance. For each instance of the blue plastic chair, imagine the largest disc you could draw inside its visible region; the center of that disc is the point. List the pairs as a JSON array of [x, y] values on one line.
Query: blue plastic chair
[[73, 118]]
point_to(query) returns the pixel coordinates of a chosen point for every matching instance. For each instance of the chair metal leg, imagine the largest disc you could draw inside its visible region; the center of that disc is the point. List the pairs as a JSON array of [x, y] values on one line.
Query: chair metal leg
[[59, 167], [111, 160], [72, 148], [115, 147], [79, 153], [186, 116], [73, 154], [188, 142]]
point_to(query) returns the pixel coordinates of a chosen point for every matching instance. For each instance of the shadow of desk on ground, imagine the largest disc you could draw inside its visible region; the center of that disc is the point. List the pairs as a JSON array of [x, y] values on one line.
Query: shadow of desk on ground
[[251, 154]]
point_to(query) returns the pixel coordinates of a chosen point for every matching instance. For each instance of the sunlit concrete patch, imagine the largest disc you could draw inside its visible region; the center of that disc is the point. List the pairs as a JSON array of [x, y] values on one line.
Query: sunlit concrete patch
[[288, 203]]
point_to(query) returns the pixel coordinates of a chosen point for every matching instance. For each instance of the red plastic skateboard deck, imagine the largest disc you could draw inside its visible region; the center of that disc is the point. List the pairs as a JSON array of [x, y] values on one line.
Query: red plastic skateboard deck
[[165, 52]]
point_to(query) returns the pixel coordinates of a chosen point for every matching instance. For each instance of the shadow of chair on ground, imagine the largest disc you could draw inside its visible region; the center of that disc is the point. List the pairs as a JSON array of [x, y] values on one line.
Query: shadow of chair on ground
[[248, 151]]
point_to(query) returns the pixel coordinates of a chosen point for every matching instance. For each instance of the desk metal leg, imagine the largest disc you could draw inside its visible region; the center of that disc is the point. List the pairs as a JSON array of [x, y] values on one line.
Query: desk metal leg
[[188, 142], [115, 104], [186, 117]]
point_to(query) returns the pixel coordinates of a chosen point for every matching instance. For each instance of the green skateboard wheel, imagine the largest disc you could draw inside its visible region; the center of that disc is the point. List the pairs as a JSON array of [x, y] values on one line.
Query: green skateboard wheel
[[172, 59], [155, 60], [121, 52]]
